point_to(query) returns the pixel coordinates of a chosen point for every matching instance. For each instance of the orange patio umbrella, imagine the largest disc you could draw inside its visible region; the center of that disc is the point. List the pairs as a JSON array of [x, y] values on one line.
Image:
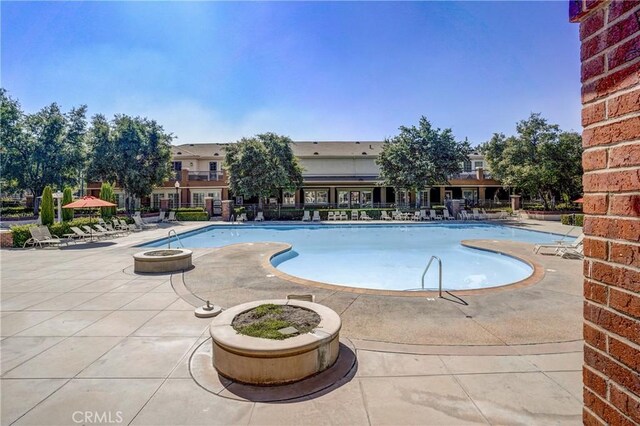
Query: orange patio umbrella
[[88, 202], [579, 200]]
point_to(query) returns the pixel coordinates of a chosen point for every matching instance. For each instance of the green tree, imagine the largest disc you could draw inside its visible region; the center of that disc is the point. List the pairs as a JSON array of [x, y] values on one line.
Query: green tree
[[46, 207], [133, 152], [541, 160], [67, 197], [261, 166], [106, 194], [421, 157], [45, 148]]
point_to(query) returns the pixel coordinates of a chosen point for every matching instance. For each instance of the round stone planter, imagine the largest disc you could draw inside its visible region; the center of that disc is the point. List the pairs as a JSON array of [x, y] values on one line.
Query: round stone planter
[[268, 362], [162, 260]]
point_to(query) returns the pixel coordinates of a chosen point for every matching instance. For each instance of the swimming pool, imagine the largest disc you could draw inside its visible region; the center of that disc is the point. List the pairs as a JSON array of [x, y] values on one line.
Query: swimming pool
[[389, 257]]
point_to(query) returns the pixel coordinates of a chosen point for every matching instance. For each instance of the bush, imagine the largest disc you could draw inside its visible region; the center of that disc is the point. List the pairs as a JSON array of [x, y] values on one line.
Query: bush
[[67, 197], [572, 219], [46, 207], [15, 210], [190, 209], [192, 216]]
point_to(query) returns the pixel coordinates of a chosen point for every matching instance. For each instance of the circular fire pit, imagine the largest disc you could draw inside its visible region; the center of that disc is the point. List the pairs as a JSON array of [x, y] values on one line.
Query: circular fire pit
[[160, 260], [269, 361]]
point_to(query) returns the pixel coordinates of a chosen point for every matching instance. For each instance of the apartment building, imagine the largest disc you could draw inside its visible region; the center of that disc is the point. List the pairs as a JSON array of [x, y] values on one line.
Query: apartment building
[[342, 174]]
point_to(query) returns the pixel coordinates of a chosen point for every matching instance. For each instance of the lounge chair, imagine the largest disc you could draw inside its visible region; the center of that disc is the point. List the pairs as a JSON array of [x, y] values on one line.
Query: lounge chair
[[571, 253], [38, 238], [354, 214], [365, 216], [477, 215], [331, 216], [117, 231], [94, 232], [161, 217], [316, 216], [172, 217], [129, 226], [105, 231], [416, 217], [81, 234], [423, 215], [560, 245], [142, 224], [446, 215], [433, 215], [343, 215], [385, 216], [259, 217], [305, 216]]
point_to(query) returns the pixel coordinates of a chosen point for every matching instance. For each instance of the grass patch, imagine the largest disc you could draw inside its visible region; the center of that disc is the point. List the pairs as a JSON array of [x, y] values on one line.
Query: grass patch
[[267, 329], [267, 309]]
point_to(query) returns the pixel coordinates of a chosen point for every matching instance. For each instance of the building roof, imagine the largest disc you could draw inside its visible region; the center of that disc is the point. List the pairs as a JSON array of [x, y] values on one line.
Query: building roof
[[300, 149]]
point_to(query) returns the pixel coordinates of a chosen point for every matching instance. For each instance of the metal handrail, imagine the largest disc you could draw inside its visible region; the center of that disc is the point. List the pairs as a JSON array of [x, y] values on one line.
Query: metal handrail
[[439, 273], [169, 238]]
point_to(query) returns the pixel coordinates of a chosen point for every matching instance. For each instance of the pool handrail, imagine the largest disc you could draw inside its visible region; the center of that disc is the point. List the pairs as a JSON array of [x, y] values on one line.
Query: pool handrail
[[439, 273], [169, 238]]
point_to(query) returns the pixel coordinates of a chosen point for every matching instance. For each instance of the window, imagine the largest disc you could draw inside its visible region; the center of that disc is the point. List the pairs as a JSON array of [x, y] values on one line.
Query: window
[[176, 166], [198, 199], [216, 195], [343, 198], [316, 196], [467, 166], [478, 164], [425, 198], [405, 197], [367, 199], [155, 202], [173, 201], [118, 200], [355, 198], [288, 198], [239, 200], [213, 170]]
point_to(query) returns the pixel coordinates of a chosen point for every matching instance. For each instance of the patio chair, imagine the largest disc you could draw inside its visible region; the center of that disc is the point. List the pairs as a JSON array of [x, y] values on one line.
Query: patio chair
[[571, 253], [93, 232], [477, 215], [343, 215], [305, 216], [39, 239], [316, 216], [142, 224], [129, 226], [259, 217], [385, 216], [172, 217], [416, 217], [433, 215], [116, 231], [446, 215], [81, 234], [354, 214], [331, 216], [365, 216], [559, 245], [105, 231], [423, 215], [161, 216]]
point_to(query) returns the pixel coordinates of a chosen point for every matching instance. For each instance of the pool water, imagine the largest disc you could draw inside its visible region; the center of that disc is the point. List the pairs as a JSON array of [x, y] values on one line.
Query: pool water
[[390, 257]]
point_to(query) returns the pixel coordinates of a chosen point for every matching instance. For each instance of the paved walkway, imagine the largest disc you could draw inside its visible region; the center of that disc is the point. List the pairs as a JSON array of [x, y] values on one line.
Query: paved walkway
[[86, 340]]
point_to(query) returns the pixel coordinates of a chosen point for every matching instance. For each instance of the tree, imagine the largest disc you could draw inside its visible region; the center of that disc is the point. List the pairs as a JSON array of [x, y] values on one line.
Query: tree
[[133, 152], [421, 157], [46, 207], [67, 197], [261, 166], [106, 194], [45, 148], [541, 160]]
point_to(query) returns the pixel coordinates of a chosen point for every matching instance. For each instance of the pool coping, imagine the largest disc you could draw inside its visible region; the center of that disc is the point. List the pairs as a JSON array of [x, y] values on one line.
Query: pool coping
[[536, 276]]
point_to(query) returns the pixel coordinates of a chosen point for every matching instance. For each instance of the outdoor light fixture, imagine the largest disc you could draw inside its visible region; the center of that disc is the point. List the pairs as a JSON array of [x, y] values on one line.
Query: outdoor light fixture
[[177, 186]]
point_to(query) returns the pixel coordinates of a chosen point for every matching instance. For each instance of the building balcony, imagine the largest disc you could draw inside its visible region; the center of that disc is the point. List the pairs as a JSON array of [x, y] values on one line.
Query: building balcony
[[206, 176]]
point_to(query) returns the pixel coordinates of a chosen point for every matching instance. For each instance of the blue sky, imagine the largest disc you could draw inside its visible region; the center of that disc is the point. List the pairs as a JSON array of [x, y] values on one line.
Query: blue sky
[[214, 72]]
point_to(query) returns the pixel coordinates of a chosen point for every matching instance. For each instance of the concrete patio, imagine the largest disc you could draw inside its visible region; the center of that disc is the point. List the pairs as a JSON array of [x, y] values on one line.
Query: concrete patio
[[82, 335]]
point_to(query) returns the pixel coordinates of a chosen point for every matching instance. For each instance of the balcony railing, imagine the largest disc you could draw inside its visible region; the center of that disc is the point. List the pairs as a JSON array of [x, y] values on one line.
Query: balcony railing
[[206, 176]]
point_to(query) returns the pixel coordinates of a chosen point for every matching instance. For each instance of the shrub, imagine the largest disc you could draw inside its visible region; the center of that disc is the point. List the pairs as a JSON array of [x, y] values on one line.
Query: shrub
[[192, 216], [572, 219], [190, 209], [46, 206], [106, 194], [67, 197], [6, 211]]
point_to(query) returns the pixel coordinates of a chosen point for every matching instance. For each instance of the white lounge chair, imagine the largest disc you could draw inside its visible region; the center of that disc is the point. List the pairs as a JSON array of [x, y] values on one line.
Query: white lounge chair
[[433, 215], [385, 216], [40, 239], [477, 215], [316, 216], [162, 216], [365, 216], [343, 215], [331, 216], [354, 214], [560, 245], [93, 232], [130, 226], [446, 215], [423, 215], [172, 217], [571, 253], [81, 234], [105, 231], [416, 217], [142, 224], [259, 217], [305, 216]]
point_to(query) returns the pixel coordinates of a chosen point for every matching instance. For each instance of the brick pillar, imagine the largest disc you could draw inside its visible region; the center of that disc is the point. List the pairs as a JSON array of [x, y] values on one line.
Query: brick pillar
[[208, 205], [227, 210], [6, 238], [610, 54]]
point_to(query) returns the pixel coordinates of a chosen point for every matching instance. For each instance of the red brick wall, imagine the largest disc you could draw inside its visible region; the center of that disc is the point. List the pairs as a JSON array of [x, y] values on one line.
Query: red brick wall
[[610, 76]]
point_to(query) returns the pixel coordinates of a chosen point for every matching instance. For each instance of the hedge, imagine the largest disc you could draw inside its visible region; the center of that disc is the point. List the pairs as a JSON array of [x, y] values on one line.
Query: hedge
[[4, 211], [296, 214], [572, 219], [21, 232], [46, 207], [190, 209], [192, 216]]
